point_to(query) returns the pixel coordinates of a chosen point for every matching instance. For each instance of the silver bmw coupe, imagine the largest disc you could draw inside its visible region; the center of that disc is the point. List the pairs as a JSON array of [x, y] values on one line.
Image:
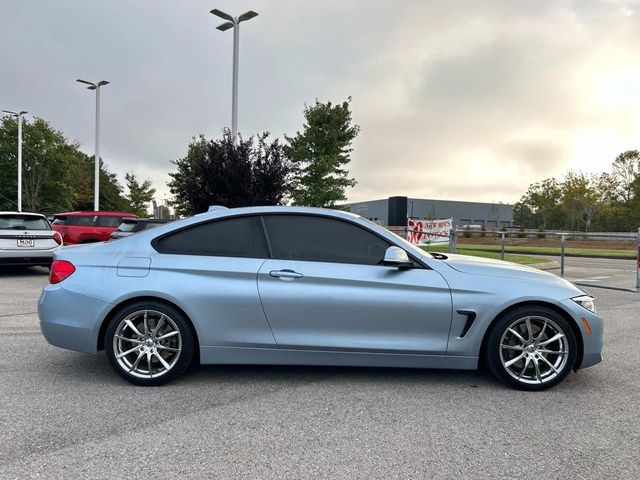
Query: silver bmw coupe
[[306, 286]]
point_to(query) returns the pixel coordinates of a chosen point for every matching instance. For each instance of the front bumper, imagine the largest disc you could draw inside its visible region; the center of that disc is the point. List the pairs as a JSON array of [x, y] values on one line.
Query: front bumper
[[69, 320], [592, 344]]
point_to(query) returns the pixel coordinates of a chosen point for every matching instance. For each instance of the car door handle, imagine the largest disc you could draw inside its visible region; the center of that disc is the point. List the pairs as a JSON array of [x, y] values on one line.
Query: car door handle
[[285, 274]]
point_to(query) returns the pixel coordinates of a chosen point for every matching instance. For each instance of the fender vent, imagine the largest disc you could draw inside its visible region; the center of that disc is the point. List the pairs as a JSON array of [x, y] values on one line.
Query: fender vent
[[471, 316]]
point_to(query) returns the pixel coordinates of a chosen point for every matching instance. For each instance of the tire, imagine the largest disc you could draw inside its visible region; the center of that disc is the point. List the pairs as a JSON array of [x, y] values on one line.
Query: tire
[[531, 348], [149, 355]]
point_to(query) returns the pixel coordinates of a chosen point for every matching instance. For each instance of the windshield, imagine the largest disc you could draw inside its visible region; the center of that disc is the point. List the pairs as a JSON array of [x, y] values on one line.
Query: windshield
[[127, 226], [23, 222]]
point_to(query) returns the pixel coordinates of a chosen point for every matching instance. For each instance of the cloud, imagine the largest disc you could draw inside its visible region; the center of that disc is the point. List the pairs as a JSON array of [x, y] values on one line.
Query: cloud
[[459, 100]]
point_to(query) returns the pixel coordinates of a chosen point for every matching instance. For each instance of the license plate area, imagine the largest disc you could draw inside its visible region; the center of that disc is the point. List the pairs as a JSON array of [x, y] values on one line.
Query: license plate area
[[26, 242]]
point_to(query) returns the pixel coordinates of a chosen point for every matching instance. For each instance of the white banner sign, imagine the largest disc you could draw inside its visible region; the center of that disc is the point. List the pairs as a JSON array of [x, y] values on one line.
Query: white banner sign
[[429, 232]]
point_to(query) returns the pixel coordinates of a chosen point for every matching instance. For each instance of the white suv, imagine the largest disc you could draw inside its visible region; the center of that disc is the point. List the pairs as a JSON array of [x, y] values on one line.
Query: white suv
[[27, 239]]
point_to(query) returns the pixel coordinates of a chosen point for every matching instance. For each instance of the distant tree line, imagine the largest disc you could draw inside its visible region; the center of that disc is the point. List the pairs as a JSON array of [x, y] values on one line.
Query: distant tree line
[[57, 176], [609, 201]]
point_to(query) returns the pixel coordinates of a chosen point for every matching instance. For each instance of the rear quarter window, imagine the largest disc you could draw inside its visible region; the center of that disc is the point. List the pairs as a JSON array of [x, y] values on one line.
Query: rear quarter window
[[232, 237]]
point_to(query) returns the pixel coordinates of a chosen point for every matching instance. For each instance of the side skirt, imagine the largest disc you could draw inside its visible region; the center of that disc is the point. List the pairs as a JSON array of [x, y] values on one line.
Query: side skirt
[[272, 356]]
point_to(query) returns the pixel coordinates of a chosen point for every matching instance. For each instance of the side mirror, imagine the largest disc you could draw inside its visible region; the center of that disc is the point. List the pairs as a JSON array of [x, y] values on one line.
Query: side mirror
[[396, 257]]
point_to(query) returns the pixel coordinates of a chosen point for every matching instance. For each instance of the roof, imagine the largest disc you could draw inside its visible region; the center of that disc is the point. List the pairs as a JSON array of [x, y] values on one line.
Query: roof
[[145, 220], [99, 214], [276, 209], [23, 213]]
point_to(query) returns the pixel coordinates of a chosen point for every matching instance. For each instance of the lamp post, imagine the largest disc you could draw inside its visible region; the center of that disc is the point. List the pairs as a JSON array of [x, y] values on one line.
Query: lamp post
[[234, 22], [19, 116], [96, 193]]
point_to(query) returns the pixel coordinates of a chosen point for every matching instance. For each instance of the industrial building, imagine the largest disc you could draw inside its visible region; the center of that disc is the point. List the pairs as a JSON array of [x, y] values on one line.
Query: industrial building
[[394, 211]]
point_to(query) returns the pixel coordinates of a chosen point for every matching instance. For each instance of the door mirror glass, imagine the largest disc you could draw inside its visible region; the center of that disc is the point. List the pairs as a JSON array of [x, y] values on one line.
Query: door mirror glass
[[396, 257]]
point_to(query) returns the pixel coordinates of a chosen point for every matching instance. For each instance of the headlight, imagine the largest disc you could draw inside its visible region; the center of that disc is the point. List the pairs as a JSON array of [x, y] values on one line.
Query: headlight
[[585, 301]]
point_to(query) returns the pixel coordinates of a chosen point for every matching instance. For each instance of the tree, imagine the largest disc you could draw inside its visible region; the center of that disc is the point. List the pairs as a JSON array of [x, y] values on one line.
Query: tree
[[111, 194], [271, 168], [580, 199], [56, 175], [626, 168], [140, 194], [230, 173], [321, 153], [542, 201], [49, 163]]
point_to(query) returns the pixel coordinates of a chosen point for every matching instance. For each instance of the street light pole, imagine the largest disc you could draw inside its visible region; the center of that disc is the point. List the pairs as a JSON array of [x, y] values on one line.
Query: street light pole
[[234, 22], [96, 180], [19, 116], [234, 90]]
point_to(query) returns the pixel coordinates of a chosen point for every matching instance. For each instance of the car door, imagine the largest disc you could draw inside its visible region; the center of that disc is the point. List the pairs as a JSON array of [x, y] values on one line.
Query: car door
[[210, 269], [325, 288]]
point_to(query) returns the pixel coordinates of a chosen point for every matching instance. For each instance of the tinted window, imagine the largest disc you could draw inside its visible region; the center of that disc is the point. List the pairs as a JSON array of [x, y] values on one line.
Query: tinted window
[[23, 222], [104, 221], [146, 225], [127, 226], [81, 220], [233, 237], [321, 239]]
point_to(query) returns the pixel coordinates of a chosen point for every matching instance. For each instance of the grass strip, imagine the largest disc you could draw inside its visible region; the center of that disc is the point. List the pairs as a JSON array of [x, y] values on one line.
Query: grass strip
[[521, 259], [591, 252]]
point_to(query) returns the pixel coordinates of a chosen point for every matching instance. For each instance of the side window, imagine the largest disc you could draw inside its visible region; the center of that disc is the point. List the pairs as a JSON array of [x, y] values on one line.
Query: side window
[[232, 237], [322, 239], [106, 221], [81, 220]]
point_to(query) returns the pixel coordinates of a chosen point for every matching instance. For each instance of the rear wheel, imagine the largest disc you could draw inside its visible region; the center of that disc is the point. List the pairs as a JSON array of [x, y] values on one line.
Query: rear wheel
[[531, 348], [149, 343]]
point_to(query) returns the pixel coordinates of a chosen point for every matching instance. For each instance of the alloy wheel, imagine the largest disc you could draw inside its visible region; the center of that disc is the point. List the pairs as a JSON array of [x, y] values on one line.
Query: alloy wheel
[[534, 350], [147, 344]]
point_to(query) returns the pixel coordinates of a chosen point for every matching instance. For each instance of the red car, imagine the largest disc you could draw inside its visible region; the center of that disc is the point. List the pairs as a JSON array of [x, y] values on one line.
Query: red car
[[87, 227]]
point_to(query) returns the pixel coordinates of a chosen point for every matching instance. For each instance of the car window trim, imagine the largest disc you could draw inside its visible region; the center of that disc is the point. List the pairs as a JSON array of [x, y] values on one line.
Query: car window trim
[[155, 243], [416, 261]]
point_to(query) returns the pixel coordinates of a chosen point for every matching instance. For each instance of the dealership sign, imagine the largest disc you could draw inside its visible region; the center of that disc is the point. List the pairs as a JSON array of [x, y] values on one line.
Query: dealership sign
[[429, 232]]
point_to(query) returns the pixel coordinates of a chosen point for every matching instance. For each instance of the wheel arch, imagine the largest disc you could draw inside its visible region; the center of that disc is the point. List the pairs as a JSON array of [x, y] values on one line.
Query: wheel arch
[[148, 298], [536, 303]]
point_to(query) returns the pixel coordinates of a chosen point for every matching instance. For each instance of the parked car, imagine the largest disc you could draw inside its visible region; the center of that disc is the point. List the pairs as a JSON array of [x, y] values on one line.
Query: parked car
[[306, 286], [129, 226], [88, 227], [27, 239]]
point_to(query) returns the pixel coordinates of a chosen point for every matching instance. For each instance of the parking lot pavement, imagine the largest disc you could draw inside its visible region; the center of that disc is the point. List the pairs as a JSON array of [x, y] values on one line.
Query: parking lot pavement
[[68, 415], [599, 272]]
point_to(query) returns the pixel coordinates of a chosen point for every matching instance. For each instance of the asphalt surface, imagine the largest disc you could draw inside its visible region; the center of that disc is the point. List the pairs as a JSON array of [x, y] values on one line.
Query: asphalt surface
[[599, 273], [68, 415]]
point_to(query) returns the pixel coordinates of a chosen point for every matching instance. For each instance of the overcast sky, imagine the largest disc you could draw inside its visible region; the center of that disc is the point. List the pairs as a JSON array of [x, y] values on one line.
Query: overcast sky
[[462, 100]]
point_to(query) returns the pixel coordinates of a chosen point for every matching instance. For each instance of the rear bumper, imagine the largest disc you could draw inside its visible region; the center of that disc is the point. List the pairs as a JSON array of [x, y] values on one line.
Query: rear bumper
[[69, 320], [22, 257]]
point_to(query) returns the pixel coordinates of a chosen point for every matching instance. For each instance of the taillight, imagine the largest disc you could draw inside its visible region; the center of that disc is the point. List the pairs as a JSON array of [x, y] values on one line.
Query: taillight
[[60, 269], [57, 237]]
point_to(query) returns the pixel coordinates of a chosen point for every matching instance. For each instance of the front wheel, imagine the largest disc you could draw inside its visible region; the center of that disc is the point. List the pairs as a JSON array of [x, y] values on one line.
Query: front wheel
[[531, 348], [149, 343]]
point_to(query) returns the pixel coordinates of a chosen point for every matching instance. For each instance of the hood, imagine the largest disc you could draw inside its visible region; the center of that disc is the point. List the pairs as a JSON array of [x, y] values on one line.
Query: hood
[[500, 268]]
